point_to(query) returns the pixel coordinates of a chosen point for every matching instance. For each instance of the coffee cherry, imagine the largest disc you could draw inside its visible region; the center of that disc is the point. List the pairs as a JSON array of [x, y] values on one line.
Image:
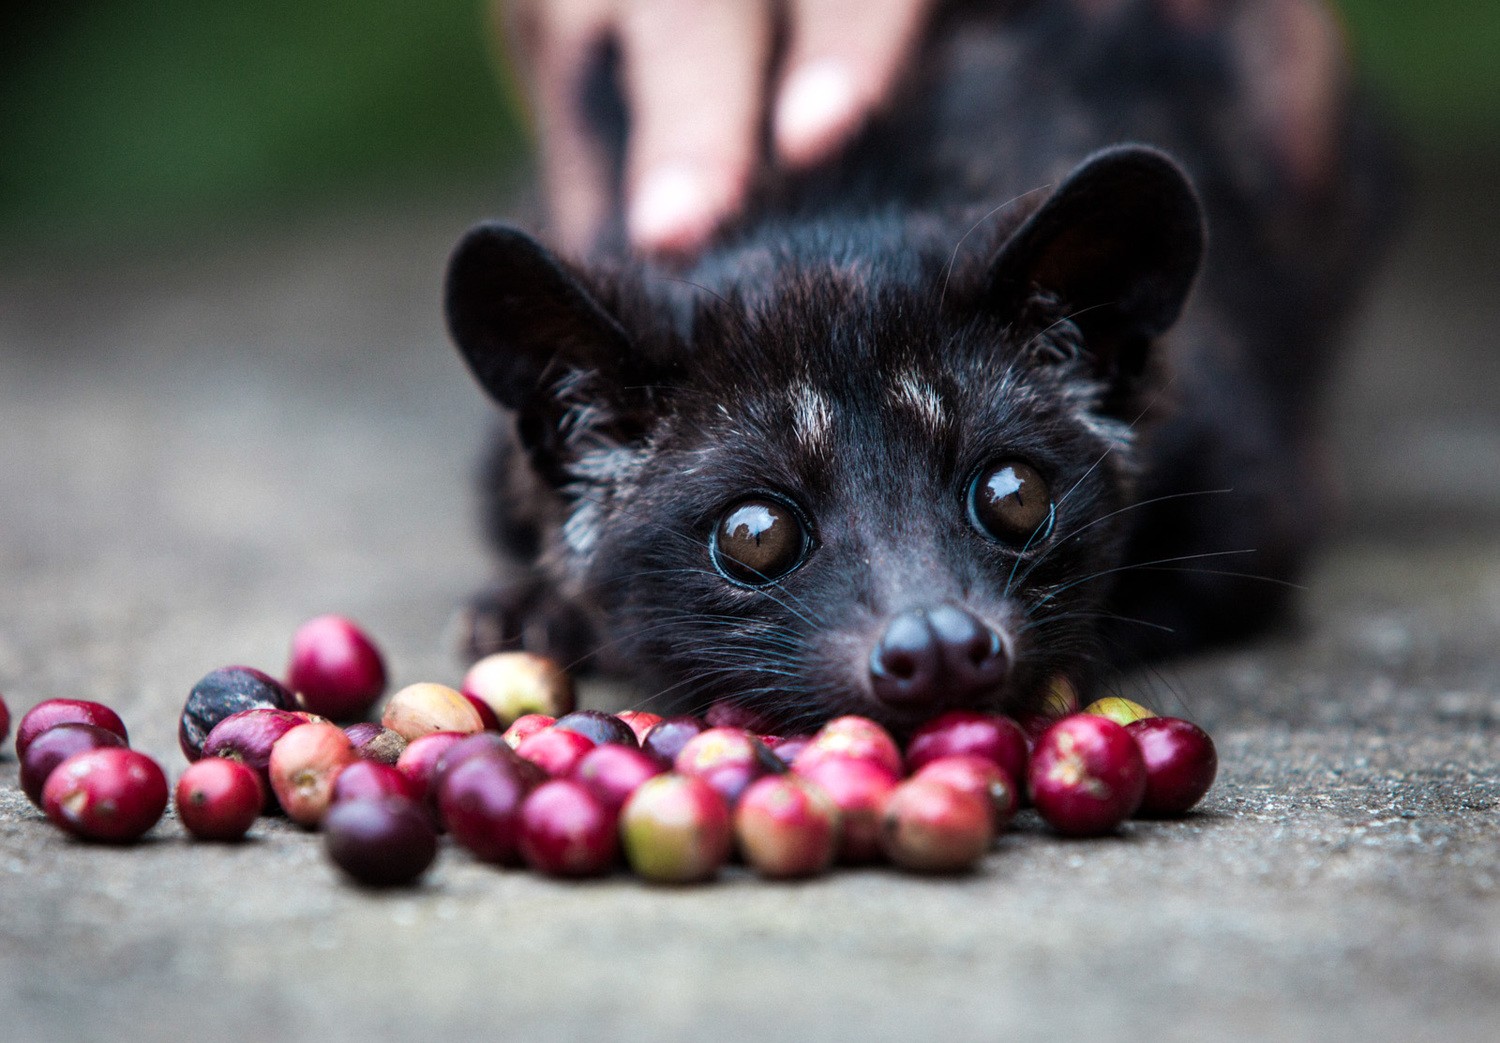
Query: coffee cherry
[[676, 829], [111, 794], [368, 780], [335, 668], [374, 742], [1121, 711], [853, 737], [1087, 775], [667, 737], [859, 789], [966, 733], [304, 764], [566, 831], [981, 777], [419, 709], [728, 759], [527, 725], [384, 842], [419, 761], [51, 712], [479, 802], [219, 799], [55, 745], [613, 772], [555, 751], [4, 720], [931, 827], [223, 692], [600, 727], [513, 684], [1181, 763], [786, 827]]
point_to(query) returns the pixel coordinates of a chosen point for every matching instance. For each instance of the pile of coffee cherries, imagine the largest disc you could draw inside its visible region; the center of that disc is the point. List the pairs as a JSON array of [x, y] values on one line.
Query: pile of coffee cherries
[[514, 773]]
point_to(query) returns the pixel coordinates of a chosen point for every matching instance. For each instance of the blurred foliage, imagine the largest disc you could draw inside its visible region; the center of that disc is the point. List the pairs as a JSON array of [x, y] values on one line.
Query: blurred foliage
[[150, 119]]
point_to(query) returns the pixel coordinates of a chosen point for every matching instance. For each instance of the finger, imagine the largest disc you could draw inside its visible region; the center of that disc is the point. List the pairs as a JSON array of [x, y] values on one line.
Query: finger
[[695, 74], [555, 42], [844, 59]]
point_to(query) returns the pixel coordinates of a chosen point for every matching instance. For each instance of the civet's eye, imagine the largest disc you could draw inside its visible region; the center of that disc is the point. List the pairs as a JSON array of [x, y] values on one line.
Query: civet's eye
[[1010, 502], [758, 540]]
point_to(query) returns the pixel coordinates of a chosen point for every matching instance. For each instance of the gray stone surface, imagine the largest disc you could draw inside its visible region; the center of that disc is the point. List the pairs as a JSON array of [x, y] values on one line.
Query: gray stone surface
[[197, 453]]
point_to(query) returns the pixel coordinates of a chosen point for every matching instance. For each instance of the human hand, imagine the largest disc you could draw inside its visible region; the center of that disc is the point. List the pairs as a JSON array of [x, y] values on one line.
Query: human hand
[[698, 85]]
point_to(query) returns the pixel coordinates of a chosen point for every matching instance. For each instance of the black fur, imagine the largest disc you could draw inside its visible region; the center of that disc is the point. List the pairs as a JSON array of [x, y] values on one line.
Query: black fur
[[987, 245]]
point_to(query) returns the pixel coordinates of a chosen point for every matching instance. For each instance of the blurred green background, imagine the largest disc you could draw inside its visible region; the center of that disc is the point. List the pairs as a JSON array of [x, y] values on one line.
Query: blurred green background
[[154, 121]]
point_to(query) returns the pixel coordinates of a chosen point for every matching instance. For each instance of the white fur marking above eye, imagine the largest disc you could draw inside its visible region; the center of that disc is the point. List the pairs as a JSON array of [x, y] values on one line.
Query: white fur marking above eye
[[913, 393], [812, 417]]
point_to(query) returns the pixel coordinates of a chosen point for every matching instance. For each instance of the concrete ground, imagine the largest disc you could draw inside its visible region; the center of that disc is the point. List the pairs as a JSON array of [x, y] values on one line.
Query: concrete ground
[[200, 452]]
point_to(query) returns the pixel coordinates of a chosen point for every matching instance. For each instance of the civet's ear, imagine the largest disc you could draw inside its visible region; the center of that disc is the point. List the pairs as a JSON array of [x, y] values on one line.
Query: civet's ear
[[520, 319], [540, 343], [1117, 246]]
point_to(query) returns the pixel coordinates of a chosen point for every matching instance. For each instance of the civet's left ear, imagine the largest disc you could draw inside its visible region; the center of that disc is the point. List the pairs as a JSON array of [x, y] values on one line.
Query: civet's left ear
[[1117, 245]]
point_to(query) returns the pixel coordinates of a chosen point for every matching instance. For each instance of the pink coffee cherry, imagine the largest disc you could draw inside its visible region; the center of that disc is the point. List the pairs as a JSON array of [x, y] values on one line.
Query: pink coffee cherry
[[335, 668], [305, 762], [786, 827], [931, 827], [219, 799], [51, 712], [965, 732], [859, 789], [1087, 775], [566, 831], [112, 794], [854, 737], [56, 745], [1181, 764], [676, 829]]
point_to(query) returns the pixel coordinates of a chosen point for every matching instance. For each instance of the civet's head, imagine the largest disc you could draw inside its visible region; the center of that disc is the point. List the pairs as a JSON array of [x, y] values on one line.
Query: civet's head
[[845, 485]]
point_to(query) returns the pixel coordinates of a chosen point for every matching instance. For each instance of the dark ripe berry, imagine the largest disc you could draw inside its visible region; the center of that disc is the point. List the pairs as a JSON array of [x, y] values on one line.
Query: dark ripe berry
[[786, 827], [366, 780], [613, 772], [1087, 775], [726, 714], [4, 720], [420, 759], [966, 733], [1121, 711], [640, 722], [676, 829], [381, 842], [304, 764], [859, 789], [219, 799], [56, 745], [526, 726], [600, 727], [113, 794], [486, 715], [981, 777], [375, 742], [480, 804], [667, 737], [554, 751], [858, 738], [423, 708], [566, 831], [728, 759], [1181, 763], [513, 684], [482, 744], [335, 668], [221, 693], [931, 827], [52, 712], [248, 736], [787, 747]]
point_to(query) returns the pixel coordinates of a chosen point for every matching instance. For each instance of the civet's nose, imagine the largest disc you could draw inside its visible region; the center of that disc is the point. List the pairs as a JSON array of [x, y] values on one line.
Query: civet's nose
[[938, 655]]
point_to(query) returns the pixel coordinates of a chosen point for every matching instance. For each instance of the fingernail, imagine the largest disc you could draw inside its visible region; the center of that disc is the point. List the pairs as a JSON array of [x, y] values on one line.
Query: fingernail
[[816, 106], [673, 209]]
